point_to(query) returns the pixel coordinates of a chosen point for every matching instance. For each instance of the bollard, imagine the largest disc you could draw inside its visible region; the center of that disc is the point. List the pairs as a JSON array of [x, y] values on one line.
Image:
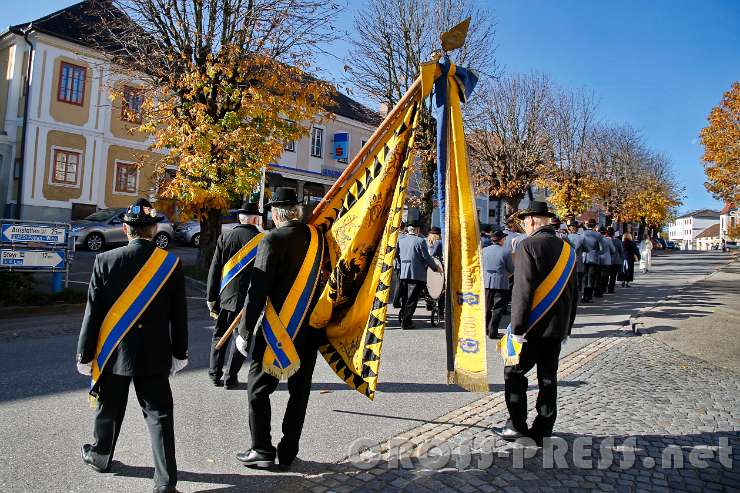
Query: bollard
[[56, 282]]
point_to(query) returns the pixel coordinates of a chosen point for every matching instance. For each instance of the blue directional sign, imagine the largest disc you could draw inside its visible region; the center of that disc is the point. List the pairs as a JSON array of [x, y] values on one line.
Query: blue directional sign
[[39, 233], [32, 259]]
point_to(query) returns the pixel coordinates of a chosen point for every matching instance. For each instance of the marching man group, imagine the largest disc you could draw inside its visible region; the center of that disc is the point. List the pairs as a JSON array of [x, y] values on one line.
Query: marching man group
[[135, 324]]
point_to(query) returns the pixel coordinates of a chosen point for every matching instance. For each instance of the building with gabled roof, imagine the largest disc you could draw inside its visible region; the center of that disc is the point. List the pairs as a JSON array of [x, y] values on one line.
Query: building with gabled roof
[[69, 149], [686, 227]]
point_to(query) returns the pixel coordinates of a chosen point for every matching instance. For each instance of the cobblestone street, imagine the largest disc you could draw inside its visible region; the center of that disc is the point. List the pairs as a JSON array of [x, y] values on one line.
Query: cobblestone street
[[641, 413]]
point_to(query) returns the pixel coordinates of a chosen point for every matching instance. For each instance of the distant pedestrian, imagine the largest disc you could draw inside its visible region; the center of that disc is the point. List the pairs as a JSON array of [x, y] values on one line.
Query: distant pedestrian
[[617, 259], [593, 245], [498, 267], [646, 254], [605, 262], [631, 254], [414, 259], [485, 237], [576, 241]]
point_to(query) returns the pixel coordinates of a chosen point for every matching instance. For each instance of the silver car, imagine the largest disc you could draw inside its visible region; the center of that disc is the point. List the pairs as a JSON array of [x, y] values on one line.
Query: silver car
[[189, 232], [105, 227]]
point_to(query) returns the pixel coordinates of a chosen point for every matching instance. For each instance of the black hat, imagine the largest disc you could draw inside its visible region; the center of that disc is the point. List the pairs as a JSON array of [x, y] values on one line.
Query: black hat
[[602, 229], [536, 208], [487, 228], [574, 223], [498, 235], [248, 208], [610, 230], [141, 213], [435, 230], [591, 223], [283, 196], [555, 220]]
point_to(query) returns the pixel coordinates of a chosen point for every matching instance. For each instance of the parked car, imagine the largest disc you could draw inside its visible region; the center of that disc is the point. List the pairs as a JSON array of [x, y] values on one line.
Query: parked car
[[189, 232], [732, 245], [105, 227], [671, 245]]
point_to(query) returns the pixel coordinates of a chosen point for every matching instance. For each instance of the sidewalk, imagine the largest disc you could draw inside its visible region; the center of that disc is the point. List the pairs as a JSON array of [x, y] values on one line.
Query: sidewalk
[[635, 413]]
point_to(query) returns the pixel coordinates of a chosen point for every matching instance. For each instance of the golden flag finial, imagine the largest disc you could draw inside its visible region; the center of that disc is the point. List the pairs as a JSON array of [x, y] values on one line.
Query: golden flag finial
[[455, 37]]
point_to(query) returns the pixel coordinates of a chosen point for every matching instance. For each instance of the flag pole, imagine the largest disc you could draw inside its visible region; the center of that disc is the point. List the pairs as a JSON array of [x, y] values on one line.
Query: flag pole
[[390, 119]]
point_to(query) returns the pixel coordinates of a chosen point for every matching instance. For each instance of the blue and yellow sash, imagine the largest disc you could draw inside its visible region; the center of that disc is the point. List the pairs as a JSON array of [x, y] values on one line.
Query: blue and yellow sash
[[281, 359], [545, 296], [128, 308], [239, 261]]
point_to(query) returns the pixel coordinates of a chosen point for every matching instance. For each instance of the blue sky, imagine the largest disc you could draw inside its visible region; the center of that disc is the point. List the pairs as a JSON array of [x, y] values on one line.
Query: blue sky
[[659, 65]]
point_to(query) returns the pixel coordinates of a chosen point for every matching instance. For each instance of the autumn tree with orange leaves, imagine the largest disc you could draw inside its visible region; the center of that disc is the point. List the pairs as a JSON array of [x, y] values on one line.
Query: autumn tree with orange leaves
[[226, 87], [721, 140]]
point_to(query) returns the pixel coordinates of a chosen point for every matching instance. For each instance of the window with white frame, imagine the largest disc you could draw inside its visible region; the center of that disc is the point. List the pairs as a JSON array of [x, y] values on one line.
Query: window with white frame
[[127, 177], [65, 167], [71, 84], [317, 142]]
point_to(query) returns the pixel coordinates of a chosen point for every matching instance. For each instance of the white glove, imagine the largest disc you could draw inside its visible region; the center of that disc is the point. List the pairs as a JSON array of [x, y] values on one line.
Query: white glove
[[519, 339], [177, 365], [241, 345], [84, 369], [210, 304]]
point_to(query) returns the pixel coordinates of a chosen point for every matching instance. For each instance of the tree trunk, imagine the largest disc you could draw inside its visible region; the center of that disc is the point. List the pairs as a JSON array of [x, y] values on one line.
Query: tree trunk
[[512, 204], [210, 229], [641, 229]]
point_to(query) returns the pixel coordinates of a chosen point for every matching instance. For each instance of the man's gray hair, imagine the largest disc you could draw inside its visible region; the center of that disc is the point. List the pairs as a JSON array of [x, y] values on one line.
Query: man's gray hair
[[287, 213]]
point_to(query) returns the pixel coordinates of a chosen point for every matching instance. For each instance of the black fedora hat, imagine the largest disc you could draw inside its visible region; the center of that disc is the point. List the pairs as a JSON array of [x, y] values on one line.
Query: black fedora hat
[[283, 196], [536, 208], [591, 223], [436, 230], [249, 208], [141, 213], [498, 235]]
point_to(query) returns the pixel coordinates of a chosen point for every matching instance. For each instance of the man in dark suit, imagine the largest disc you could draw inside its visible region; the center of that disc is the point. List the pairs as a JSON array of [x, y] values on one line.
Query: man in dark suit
[[414, 258], [536, 257], [279, 258], [227, 302], [617, 259], [498, 267], [155, 347], [593, 246]]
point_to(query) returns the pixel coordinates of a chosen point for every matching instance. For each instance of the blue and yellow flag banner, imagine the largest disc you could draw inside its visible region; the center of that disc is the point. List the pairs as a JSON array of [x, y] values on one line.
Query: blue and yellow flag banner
[[129, 306], [281, 358], [545, 296], [465, 302], [239, 261], [360, 224]]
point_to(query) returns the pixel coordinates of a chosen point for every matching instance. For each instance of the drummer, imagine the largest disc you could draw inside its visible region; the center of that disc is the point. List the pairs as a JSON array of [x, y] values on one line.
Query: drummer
[[434, 242], [498, 266], [414, 258]]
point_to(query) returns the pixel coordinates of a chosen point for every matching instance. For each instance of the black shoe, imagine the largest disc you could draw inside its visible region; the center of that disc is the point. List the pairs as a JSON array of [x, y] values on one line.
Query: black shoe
[[285, 464], [231, 384], [86, 452], [507, 432], [252, 458], [611, 291], [409, 327], [216, 380], [166, 489], [586, 300]]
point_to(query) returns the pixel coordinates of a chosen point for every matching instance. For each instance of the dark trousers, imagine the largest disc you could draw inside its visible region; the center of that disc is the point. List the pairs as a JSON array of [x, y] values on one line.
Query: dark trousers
[[579, 281], [410, 293], [592, 276], [544, 353], [613, 273], [603, 280], [496, 302], [228, 353], [155, 398], [259, 387]]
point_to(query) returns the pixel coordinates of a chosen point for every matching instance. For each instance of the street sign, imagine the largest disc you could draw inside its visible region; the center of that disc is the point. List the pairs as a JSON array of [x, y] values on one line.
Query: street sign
[[30, 259], [39, 233]]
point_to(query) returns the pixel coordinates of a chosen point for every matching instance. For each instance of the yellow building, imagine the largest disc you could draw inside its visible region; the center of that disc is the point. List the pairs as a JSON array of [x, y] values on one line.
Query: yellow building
[[69, 149]]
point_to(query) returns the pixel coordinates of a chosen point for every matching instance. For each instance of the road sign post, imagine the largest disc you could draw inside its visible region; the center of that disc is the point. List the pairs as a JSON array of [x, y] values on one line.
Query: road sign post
[[34, 246]]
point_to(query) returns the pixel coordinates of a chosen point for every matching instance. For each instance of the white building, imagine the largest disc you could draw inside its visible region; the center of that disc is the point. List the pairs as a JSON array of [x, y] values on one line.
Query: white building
[[687, 227], [69, 149], [729, 218]]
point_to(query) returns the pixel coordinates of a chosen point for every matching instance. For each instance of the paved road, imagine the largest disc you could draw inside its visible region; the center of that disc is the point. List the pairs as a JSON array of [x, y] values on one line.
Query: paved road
[[44, 399]]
